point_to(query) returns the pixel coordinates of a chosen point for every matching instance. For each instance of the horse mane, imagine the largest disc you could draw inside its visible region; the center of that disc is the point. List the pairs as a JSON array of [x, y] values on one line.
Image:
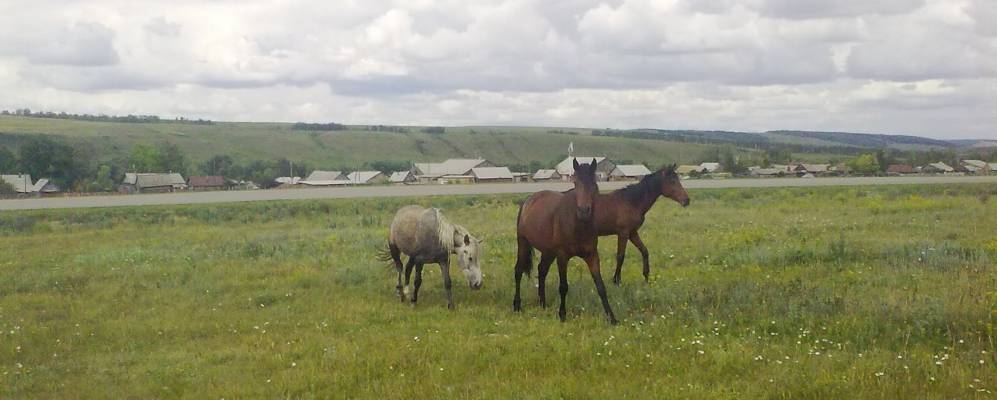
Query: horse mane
[[651, 183], [445, 231]]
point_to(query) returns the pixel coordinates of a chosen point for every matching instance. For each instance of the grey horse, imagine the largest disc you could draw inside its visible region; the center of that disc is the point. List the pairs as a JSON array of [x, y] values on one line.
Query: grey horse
[[427, 237]]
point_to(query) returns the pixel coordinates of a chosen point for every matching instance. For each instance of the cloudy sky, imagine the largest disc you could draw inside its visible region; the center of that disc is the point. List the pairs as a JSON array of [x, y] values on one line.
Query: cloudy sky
[[925, 67]]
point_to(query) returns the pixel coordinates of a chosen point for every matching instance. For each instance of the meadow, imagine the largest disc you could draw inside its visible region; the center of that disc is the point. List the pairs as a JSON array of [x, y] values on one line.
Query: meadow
[[857, 292]]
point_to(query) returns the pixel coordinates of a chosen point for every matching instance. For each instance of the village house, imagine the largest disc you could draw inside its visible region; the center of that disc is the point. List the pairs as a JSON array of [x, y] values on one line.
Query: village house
[[710, 167], [366, 177], [629, 172], [767, 172], [209, 182], [152, 182], [603, 167], [546, 175], [689, 169], [977, 166], [44, 187], [492, 174], [454, 170], [803, 169], [900, 169], [938, 168], [20, 182], [402, 177], [325, 178]]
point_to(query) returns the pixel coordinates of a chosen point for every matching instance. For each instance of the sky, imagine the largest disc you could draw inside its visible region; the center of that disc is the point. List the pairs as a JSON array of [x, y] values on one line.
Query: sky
[[921, 67]]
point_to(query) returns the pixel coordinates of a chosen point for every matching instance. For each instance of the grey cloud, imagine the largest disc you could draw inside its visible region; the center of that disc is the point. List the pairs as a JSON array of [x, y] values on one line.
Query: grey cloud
[[804, 9]]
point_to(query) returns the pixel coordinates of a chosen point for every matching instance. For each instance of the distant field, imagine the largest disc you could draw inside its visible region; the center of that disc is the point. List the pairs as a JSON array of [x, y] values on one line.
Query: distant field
[[859, 292], [339, 149]]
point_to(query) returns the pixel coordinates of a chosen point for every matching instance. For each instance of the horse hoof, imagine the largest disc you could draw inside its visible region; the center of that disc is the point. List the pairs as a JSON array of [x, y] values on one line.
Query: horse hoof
[[617, 280], [613, 321], [517, 306]]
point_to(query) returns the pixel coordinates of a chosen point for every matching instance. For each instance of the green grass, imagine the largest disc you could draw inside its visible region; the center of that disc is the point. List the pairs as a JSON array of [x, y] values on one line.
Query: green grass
[[264, 141], [860, 292]]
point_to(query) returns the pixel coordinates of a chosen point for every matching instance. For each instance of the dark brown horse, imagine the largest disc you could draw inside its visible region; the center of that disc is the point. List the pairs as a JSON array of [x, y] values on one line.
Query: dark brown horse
[[621, 212], [561, 226]]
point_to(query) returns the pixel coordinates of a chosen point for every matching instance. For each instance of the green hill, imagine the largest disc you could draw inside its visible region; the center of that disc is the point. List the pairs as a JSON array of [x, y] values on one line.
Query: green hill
[[261, 141]]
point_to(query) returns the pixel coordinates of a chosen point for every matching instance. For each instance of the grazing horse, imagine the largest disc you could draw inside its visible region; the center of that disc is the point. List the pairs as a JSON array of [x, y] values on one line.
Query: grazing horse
[[561, 226], [427, 237], [621, 212]]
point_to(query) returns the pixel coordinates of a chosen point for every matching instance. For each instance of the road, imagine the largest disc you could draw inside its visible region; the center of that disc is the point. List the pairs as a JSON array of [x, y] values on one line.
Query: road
[[434, 190]]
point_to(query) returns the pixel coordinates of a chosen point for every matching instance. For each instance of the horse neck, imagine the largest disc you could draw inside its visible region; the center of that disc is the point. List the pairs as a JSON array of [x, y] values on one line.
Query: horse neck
[[650, 193]]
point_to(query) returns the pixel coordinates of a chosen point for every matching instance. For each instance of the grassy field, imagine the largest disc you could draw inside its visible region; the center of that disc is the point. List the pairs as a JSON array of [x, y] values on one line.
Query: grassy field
[[859, 292], [340, 149]]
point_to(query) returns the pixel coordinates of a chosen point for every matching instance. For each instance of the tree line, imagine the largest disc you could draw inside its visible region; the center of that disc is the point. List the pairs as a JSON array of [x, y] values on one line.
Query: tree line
[[26, 112]]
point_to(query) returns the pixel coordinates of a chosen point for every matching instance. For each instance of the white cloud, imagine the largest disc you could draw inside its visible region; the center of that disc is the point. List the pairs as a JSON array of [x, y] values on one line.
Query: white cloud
[[900, 66]]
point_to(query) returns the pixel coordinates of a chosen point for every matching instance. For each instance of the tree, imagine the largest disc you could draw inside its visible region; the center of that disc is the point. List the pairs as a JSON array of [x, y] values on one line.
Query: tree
[[8, 162], [864, 164], [778, 155], [144, 159], [171, 158], [102, 182], [43, 157], [220, 164]]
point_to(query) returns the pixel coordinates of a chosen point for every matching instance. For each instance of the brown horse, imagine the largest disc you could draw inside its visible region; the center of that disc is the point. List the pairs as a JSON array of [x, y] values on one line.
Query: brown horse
[[561, 226], [621, 212]]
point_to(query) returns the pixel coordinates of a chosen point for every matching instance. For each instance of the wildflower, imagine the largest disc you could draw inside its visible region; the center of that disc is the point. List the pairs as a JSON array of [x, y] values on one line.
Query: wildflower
[[878, 374]]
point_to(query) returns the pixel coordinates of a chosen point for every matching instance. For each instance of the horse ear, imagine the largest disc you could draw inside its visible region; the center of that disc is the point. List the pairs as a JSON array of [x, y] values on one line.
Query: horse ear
[[574, 163], [467, 240]]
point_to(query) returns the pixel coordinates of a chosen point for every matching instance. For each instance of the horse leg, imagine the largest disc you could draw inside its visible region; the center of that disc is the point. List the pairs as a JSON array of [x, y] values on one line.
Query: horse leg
[[445, 271], [592, 260], [418, 282], [621, 251], [542, 269], [562, 273], [523, 263], [396, 257], [408, 274], [635, 238]]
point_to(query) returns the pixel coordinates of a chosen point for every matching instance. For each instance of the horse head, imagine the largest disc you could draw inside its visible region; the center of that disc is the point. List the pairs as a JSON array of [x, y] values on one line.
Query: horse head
[[468, 251], [585, 189], [671, 187]]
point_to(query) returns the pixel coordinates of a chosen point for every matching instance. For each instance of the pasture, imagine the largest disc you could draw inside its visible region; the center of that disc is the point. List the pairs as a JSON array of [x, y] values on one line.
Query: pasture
[[857, 292]]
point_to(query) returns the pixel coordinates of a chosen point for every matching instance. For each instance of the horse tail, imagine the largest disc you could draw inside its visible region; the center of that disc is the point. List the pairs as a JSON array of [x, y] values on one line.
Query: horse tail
[[525, 264], [384, 255]]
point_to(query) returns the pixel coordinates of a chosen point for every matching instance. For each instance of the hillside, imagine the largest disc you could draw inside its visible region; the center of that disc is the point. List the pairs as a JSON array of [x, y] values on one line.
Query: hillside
[[340, 149], [354, 146]]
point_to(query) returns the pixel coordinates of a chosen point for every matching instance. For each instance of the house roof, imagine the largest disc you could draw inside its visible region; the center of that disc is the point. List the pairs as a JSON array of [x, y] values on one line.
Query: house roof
[[206, 181], [900, 169], [632, 170], [812, 167], [318, 175], [339, 182], [975, 163], [565, 167], [685, 169], [767, 171], [362, 176], [21, 183], [492, 173], [941, 167], [287, 179], [710, 166], [45, 186], [399, 176], [142, 180], [453, 166], [546, 174]]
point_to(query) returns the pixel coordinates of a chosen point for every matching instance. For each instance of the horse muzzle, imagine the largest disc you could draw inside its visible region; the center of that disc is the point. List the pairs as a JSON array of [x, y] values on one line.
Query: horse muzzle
[[585, 213], [476, 286], [685, 203]]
